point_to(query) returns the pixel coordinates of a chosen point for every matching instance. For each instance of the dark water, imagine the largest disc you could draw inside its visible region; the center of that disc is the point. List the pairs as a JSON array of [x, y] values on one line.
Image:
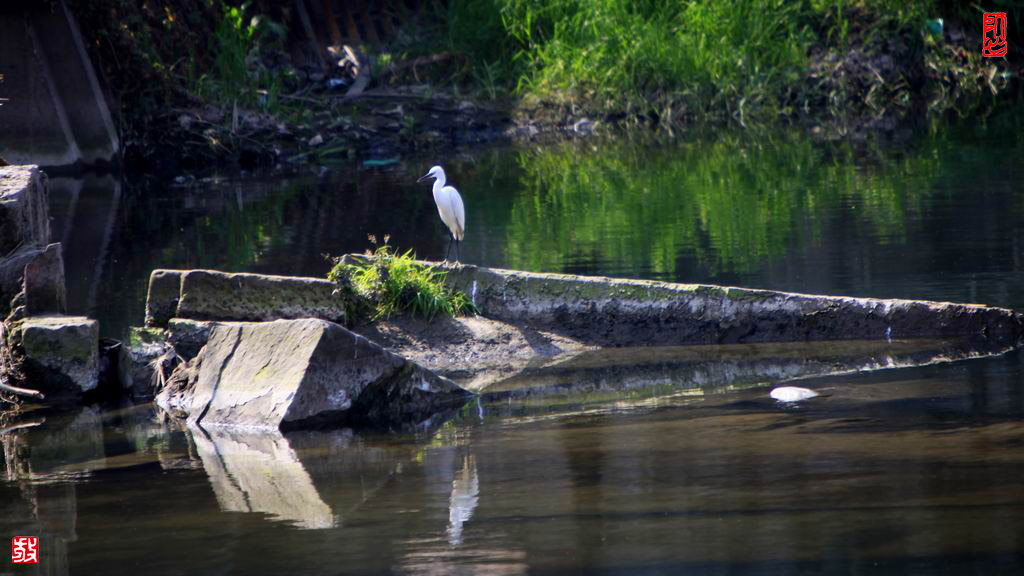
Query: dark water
[[912, 470]]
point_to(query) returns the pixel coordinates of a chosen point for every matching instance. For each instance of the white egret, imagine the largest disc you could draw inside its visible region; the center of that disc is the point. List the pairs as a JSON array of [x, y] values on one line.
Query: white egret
[[449, 206]]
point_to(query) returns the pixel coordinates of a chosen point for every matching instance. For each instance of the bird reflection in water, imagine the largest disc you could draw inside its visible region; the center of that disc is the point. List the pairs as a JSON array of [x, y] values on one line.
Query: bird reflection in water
[[463, 501]]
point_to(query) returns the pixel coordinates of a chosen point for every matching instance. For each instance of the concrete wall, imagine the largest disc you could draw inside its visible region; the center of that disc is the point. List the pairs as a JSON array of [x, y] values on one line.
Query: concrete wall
[[54, 112]]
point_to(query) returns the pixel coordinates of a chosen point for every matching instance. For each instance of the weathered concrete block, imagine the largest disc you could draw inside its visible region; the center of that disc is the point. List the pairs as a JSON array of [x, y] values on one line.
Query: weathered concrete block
[[623, 312], [211, 295], [57, 114], [310, 372], [24, 216], [162, 299], [61, 354]]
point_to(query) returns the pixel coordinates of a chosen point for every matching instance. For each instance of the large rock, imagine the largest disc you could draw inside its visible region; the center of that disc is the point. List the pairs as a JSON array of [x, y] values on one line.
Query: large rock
[[24, 219], [60, 354], [212, 295], [300, 373]]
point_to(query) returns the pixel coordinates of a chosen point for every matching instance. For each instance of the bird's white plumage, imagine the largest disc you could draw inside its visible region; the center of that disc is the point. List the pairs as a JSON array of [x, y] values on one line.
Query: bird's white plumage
[[449, 204]]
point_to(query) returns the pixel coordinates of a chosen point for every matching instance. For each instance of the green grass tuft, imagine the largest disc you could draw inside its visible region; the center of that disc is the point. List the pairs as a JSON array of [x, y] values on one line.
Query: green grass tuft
[[387, 283]]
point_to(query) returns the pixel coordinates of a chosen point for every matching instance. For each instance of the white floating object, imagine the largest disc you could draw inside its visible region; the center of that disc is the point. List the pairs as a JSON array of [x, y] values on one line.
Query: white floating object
[[792, 394]]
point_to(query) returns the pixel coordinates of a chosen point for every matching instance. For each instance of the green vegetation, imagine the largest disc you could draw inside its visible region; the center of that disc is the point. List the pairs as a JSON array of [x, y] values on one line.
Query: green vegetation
[[670, 59], [238, 36], [163, 57], [387, 283]]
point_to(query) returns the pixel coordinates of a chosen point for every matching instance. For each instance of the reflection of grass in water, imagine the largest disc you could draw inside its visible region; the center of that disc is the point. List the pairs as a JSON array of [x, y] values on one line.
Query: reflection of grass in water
[[238, 238], [730, 203]]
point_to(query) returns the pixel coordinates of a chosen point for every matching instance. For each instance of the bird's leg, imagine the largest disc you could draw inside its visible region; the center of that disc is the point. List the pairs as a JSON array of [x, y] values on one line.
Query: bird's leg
[[458, 250], [449, 251]]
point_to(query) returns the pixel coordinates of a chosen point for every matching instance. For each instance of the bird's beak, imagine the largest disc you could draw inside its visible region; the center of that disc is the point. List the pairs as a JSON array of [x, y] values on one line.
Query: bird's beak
[[424, 177]]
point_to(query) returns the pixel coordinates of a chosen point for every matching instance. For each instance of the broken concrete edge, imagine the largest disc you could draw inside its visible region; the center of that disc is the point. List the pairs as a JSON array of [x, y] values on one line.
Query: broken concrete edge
[[24, 209], [214, 295], [619, 312]]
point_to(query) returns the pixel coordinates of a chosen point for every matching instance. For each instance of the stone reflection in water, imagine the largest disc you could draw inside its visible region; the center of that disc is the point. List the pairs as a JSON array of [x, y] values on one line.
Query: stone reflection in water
[[464, 498], [310, 479], [259, 472], [40, 502], [84, 220]]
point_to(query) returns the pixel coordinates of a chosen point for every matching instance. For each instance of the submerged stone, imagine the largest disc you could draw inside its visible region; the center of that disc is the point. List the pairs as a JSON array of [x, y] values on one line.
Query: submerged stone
[[61, 354], [301, 373]]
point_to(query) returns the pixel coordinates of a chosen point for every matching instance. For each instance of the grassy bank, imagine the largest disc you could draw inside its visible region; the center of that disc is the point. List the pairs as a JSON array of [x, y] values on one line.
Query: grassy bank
[[744, 57], [216, 81]]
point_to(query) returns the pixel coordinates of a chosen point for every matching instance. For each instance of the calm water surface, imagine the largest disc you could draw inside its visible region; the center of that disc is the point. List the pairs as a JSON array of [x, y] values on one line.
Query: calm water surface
[[916, 470]]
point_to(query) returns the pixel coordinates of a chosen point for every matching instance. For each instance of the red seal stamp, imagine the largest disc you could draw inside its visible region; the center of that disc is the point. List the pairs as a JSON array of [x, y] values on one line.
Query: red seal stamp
[[25, 550], [993, 32]]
